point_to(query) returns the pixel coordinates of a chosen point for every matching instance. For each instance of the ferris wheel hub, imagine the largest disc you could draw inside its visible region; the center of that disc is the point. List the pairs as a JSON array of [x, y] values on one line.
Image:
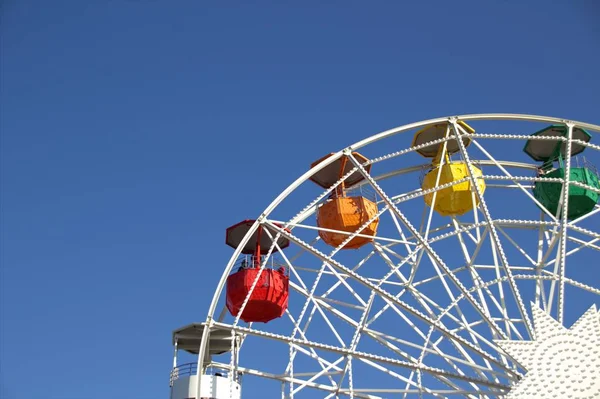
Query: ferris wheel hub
[[560, 362]]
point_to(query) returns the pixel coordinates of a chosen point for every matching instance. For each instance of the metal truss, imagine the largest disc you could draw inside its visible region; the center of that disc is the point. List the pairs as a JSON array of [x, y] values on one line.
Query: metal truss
[[418, 311]]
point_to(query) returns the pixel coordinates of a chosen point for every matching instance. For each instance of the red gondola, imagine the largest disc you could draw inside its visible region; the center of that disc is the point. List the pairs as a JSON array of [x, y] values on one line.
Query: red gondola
[[269, 299]]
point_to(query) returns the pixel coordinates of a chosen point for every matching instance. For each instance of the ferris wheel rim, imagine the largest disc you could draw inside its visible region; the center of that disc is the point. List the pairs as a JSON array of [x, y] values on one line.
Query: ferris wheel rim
[[362, 143]]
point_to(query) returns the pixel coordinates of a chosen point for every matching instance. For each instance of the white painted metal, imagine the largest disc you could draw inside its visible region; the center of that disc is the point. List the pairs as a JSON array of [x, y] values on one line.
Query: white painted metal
[[213, 387], [569, 357], [451, 314]]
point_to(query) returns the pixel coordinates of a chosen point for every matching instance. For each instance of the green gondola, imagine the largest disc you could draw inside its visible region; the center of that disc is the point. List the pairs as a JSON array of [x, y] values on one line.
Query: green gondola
[[552, 154]]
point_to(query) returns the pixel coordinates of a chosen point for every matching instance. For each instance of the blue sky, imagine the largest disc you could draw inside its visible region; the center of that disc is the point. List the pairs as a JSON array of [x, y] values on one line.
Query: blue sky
[[135, 132]]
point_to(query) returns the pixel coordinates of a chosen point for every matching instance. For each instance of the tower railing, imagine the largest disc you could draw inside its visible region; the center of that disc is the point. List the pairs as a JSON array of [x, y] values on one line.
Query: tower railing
[[183, 370], [191, 369]]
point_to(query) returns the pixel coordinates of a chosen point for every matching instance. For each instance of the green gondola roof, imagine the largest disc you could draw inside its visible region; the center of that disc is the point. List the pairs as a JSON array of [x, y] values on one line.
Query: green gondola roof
[[544, 150]]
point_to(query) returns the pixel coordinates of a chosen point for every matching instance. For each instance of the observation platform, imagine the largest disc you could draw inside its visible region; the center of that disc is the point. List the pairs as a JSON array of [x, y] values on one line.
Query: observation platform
[[184, 377]]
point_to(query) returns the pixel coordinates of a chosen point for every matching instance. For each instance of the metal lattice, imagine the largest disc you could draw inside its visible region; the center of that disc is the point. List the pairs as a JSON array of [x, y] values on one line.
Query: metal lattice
[[455, 306]]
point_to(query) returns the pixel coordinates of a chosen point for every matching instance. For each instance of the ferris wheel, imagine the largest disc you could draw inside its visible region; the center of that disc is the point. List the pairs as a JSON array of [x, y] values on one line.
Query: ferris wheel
[[452, 257]]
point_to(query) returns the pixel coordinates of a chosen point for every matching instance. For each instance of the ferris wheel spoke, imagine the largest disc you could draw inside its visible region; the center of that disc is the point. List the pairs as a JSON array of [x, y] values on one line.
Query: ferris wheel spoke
[[325, 295], [494, 250], [325, 365], [409, 382], [440, 277], [556, 262], [355, 339], [461, 315], [459, 231], [551, 243], [461, 321], [412, 386], [323, 302], [311, 353], [479, 322], [585, 232], [434, 198], [435, 257], [315, 303], [293, 259], [404, 260], [413, 255], [397, 268], [483, 291], [288, 379], [385, 340], [467, 360], [388, 297], [294, 271], [357, 354], [472, 268], [549, 276], [517, 246], [584, 244], [397, 224], [500, 279], [526, 277], [540, 294], [311, 298], [469, 261], [316, 376], [514, 179], [477, 280], [496, 244], [356, 325], [479, 286], [564, 222], [423, 300], [452, 231], [343, 316], [345, 284], [580, 219], [394, 269]]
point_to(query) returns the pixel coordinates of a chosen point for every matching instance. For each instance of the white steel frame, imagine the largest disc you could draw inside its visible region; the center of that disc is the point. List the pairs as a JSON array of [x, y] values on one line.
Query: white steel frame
[[471, 370]]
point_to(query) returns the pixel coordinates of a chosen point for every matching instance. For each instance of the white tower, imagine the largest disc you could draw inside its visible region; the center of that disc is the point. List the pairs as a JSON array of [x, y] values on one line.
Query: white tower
[[215, 378]]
